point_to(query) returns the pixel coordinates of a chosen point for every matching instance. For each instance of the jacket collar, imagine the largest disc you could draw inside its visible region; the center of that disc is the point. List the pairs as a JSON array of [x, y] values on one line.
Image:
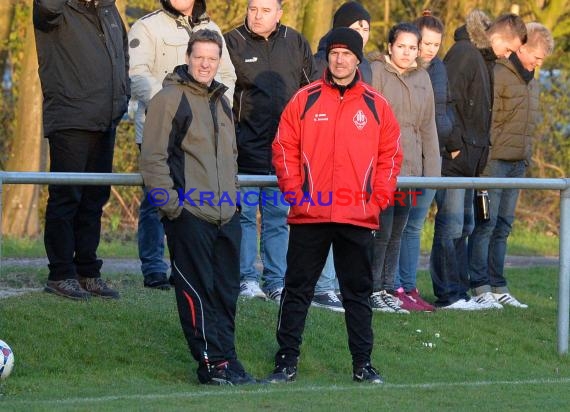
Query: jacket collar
[[255, 36], [180, 75]]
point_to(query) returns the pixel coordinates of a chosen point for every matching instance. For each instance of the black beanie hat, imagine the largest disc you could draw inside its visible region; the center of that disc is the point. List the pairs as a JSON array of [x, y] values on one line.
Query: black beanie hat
[[349, 13], [345, 38]]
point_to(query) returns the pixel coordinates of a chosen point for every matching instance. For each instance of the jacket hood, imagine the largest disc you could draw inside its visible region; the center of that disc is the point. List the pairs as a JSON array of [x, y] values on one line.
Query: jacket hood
[[198, 11], [474, 30]]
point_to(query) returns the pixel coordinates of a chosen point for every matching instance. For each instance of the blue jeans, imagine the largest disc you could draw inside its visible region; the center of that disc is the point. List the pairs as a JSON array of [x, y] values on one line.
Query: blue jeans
[[274, 236], [328, 280], [150, 239], [386, 245], [410, 244], [488, 242], [454, 222]]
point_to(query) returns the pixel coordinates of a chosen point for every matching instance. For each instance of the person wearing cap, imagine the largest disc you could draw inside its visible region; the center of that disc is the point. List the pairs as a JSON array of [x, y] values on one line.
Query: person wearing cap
[[352, 15], [407, 86], [337, 156], [157, 44]]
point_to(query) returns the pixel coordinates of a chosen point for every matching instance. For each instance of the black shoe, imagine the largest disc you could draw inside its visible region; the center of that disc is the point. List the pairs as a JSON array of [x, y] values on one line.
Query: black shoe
[[283, 374], [238, 375], [156, 281], [366, 373], [214, 374]]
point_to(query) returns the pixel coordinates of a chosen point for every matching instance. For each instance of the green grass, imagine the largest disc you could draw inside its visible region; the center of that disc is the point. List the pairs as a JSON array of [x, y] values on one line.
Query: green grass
[[130, 355], [34, 247], [522, 242]]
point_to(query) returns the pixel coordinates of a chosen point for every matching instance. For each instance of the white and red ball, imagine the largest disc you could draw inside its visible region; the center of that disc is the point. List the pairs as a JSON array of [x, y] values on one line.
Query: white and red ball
[[6, 360]]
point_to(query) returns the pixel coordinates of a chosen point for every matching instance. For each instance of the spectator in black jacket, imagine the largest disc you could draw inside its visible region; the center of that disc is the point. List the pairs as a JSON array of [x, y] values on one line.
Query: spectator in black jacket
[[469, 64], [272, 62], [352, 15], [83, 68]]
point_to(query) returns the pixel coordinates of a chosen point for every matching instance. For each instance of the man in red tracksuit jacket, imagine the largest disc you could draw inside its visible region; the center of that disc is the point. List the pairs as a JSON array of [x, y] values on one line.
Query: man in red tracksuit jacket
[[337, 156]]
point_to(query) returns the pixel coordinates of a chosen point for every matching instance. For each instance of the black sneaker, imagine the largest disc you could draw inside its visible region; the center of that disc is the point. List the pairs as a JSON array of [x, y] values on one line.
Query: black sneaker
[[68, 288], [328, 300], [98, 287], [283, 374], [238, 375], [366, 373], [156, 281]]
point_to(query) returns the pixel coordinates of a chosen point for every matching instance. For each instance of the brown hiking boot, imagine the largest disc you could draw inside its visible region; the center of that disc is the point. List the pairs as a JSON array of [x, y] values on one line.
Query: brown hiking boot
[[98, 287], [68, 288]]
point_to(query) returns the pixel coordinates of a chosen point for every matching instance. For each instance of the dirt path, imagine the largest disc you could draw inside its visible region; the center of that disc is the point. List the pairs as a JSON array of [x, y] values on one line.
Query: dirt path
[[12, 268]]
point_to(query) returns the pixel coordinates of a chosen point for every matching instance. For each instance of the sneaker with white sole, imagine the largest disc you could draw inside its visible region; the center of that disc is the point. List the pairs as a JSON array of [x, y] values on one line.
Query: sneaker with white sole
[[251, 289], [274, 295], [327, 300], [509, 300], [384, 302], [487, 301], [463, 304]]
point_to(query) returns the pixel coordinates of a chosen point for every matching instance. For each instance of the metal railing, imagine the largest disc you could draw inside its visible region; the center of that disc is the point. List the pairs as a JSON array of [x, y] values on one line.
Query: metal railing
[[563, 185]]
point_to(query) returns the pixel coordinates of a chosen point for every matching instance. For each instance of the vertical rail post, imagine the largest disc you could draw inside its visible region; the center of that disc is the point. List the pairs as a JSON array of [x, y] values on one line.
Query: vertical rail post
[[564, 274]]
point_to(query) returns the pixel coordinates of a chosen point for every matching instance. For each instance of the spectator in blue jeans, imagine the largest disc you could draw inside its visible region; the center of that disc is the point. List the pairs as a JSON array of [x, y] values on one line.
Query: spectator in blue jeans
[[431, 29], [515, 116], [352, 15], [407, 86], [469, 65], [272, 62], [157, 44]]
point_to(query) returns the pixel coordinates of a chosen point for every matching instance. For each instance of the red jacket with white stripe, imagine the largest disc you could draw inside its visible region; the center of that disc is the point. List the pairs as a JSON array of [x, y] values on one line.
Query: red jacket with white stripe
[[337, 156]]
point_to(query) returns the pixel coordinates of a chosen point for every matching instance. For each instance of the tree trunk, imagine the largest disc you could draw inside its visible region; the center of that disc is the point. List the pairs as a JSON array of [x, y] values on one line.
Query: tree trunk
[[317, 21], [5, 21], [20, 211]]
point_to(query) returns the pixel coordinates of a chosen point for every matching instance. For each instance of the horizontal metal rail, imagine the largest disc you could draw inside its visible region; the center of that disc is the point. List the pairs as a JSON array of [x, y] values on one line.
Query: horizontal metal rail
[[562, 185]]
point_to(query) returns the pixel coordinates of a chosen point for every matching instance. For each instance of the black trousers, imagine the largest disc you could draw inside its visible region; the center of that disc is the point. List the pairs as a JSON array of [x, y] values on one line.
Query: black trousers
[[205, 267], [308, 249], [73, 213]]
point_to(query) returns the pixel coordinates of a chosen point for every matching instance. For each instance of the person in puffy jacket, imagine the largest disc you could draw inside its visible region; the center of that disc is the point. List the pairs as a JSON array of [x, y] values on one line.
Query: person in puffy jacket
[[157, 44], [469, 64], [83, 68], [407, 86], [431, 29], [337, 157]]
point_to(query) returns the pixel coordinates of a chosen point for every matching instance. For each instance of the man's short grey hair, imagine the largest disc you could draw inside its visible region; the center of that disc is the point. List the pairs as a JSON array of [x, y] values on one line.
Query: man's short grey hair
[[279, 4], [204, 36]]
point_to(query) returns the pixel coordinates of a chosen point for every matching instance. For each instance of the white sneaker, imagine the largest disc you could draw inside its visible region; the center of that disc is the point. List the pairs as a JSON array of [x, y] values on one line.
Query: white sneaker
[[487, 301], [251, 289], [463, 304], [508, 299], [384, 302]]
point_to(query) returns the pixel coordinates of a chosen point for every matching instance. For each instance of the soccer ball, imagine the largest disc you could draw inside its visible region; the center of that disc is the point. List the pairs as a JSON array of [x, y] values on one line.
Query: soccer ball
[[6, 360]]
